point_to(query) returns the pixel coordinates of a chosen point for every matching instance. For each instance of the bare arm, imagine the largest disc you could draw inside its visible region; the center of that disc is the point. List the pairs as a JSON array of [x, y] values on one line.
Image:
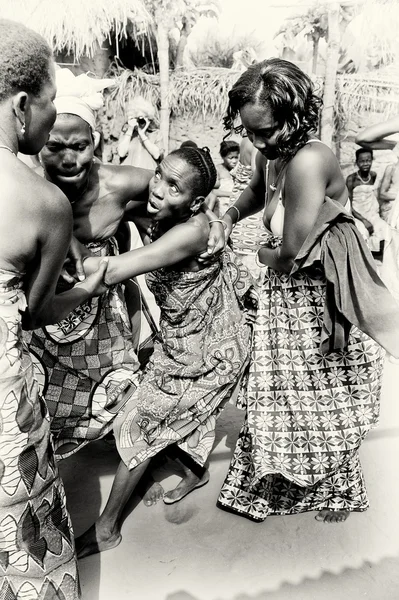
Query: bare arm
[[124, 141], [252, 199], [148, 144], [44, 306], [386, 183], [304, 192], [374, 137], [179, 243]]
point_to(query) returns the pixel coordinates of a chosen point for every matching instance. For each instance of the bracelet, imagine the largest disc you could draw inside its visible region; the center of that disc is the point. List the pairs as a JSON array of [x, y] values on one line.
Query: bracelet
[[218, 221], [238, 214]]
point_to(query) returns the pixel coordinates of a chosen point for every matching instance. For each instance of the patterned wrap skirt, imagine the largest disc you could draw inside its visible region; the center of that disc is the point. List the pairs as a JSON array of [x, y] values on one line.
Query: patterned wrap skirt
[[307, 413], [86, 365], [37, 554], [206, 329]]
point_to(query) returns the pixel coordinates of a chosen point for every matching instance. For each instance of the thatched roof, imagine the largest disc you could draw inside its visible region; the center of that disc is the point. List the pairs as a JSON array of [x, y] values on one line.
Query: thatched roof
[[195, 92], [77, 26], [203, 92]]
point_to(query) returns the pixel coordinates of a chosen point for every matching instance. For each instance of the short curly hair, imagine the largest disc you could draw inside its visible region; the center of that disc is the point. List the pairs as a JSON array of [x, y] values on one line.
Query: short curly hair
[[24, 59], [228, 146], [289, 93], [201, 161]]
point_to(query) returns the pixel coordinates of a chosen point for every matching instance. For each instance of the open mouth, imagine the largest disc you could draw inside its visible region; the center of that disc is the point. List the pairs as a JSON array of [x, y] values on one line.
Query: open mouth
[[71, 176], [152, 207]]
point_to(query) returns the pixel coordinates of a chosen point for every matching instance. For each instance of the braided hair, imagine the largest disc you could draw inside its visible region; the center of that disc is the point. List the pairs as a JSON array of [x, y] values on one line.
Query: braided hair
[[203, 166], [288, 92]]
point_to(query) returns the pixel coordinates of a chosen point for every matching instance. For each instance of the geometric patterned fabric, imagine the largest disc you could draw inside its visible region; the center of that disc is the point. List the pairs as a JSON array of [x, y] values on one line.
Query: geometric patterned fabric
[[306, 412], [86, 365], [37, 555]]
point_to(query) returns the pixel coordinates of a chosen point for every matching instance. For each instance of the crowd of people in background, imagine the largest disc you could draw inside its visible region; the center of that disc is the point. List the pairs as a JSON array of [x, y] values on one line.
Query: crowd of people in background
[[269, 271]]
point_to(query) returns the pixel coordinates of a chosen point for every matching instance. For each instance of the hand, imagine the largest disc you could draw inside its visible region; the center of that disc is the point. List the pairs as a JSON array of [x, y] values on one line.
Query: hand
[[76, 254], [132, 123], [216, 242], [94, 284]]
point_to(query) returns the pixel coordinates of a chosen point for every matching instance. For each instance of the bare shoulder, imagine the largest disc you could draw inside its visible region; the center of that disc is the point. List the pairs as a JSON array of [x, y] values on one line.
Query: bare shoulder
[[126, 180], [195, 231], [314, 157]]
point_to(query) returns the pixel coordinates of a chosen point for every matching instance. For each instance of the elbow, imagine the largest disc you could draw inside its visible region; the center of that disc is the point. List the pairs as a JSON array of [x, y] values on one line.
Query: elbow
[[364, 141]]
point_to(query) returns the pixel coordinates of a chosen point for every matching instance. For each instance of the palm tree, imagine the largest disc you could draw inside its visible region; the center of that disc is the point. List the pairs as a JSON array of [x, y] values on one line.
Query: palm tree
[[166, 14]]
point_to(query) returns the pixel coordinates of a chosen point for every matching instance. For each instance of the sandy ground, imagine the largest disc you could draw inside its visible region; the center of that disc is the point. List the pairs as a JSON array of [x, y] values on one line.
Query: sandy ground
[[194, 551]]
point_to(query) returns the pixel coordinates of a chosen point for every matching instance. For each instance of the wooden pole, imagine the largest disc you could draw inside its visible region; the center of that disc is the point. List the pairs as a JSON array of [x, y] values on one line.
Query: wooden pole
[[332, 58], [163, 60]]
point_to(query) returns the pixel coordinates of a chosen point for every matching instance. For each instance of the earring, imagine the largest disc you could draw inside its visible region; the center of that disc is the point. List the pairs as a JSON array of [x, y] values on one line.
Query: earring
[[23, 129]]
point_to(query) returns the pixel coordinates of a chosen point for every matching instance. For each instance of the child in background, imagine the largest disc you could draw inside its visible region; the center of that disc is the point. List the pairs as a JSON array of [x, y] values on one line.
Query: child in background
[[229, 152]]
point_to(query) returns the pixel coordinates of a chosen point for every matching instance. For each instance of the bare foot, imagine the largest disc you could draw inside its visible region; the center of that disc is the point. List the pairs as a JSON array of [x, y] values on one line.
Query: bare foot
[[332, 516], [96, 539], [153, 494], [189, 483]]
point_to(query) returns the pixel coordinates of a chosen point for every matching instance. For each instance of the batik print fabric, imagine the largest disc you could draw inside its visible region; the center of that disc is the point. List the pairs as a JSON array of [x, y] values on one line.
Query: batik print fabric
[[37, 557], [86, 366], [206, 330], [307, 412], [249, 232]]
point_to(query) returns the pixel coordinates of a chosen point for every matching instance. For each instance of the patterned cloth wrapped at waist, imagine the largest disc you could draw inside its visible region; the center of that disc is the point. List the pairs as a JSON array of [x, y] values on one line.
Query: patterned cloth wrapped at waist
[[193, 313]]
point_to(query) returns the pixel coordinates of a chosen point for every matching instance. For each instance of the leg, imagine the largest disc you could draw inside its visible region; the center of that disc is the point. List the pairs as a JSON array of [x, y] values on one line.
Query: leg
[[194, 476], [105, 533], [154, 492]]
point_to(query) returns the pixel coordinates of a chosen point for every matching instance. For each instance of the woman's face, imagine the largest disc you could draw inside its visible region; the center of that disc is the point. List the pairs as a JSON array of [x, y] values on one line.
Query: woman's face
[[262, 128], [40, 115], [171, 190], [68, 155]]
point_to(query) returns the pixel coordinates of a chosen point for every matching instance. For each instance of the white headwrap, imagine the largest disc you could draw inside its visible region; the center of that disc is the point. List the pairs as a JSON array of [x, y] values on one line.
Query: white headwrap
[[80, 95]]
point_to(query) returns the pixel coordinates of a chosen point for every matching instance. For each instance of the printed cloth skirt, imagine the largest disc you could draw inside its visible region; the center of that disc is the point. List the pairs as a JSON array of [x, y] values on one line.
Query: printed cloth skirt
[[37, 553], [306, 412], [86, 365]]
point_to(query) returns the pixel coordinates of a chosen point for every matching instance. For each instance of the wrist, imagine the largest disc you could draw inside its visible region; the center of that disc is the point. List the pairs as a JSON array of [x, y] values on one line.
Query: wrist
[[129, 131], [233, 214], [143, 137]]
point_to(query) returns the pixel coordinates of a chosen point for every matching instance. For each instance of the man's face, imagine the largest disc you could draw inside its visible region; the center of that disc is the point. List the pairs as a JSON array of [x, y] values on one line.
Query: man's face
[[68, 155]]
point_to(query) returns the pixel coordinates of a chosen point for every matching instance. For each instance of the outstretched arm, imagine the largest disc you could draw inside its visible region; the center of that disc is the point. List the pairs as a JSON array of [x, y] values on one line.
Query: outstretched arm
[[374, 137], [176, 245]]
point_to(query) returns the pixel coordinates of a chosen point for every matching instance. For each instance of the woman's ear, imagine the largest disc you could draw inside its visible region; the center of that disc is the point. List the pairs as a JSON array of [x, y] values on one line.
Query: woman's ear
[[20, 104], [96, 139], [196, 204]]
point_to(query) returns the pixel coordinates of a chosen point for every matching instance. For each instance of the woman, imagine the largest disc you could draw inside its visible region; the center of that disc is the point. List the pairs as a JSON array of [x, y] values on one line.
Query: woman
[[205, 339], [314, 383], [36, 538]]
